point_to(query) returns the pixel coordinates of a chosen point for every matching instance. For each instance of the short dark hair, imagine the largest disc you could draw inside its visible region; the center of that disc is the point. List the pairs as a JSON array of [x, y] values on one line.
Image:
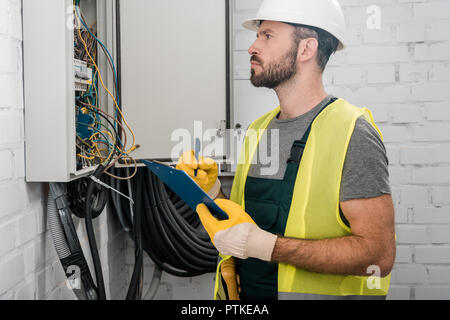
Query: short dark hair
[[328, 44]]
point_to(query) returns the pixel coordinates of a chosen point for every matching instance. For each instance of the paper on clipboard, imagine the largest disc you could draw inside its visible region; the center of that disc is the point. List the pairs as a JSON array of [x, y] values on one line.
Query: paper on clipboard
[[186, 188]]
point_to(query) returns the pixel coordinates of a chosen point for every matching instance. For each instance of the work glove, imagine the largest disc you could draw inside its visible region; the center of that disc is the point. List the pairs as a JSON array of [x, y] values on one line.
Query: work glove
[[239, 236], [207, 172]]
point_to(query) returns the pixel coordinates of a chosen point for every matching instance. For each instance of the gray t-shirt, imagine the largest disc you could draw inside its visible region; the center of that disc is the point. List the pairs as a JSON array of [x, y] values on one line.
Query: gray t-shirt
[[365, 173]]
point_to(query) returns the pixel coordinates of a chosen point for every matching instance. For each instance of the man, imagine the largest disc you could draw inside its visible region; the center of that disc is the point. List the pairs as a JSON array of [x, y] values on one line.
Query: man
[[323, 224]]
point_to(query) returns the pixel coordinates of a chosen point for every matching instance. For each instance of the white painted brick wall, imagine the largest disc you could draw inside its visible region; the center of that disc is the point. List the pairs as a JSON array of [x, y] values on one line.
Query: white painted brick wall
[[29, 267]]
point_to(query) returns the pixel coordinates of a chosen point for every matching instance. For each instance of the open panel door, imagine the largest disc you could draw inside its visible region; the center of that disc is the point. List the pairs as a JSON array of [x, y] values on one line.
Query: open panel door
[[173, 61]]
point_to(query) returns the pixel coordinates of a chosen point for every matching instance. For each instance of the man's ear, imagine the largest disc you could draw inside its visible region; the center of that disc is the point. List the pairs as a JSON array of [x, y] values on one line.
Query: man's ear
[[307, 49]]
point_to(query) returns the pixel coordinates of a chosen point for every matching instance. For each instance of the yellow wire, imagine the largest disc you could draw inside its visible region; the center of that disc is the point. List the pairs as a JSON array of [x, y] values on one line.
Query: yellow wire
[[133, 147], [112, 138], [87, 158], [93, 156], [98, 151], [125, 178]]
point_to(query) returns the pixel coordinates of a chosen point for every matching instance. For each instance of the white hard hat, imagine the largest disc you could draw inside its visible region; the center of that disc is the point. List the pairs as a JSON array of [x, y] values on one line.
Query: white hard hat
[[323, 14]]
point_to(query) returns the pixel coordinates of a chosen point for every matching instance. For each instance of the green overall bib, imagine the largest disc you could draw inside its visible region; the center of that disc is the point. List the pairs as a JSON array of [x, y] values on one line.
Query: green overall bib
[[268, 202]]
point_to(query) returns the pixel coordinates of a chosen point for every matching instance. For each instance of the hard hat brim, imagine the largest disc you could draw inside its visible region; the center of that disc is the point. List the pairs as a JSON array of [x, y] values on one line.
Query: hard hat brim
[[252, 25]]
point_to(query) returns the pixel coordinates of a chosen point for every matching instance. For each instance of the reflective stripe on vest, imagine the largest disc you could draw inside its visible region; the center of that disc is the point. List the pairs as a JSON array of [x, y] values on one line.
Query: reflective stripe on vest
[[314, 212], [219, 289], [307, 296]]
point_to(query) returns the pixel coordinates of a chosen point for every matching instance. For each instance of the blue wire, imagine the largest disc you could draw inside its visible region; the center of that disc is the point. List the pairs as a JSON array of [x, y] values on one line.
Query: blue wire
[[77, 8]]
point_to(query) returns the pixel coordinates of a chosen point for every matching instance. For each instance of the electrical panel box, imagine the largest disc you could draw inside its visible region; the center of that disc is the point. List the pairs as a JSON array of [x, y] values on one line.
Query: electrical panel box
[[168, 59], [58, 76]]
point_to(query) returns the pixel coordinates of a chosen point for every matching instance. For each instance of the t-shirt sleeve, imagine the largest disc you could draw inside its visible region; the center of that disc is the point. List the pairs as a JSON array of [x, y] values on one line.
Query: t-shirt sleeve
[[366, 167]]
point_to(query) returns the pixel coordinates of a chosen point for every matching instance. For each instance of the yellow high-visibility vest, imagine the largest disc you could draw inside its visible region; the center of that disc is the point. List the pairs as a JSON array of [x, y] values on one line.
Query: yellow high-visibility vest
[[314, 212]]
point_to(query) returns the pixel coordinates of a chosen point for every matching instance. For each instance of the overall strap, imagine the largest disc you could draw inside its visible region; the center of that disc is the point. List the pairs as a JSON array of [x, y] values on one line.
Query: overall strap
[[299, 145]]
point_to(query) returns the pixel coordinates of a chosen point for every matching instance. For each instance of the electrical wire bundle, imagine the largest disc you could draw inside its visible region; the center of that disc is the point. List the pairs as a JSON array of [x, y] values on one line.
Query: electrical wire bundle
[[94, 139], [104, 146]]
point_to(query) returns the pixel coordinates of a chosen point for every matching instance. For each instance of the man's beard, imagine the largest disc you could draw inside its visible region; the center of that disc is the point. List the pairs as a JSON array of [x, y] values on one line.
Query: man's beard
[[276, 73]]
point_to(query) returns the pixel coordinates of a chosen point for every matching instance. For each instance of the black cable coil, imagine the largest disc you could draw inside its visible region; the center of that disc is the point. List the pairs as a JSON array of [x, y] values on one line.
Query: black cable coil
[[171, 232], [77, 190]]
